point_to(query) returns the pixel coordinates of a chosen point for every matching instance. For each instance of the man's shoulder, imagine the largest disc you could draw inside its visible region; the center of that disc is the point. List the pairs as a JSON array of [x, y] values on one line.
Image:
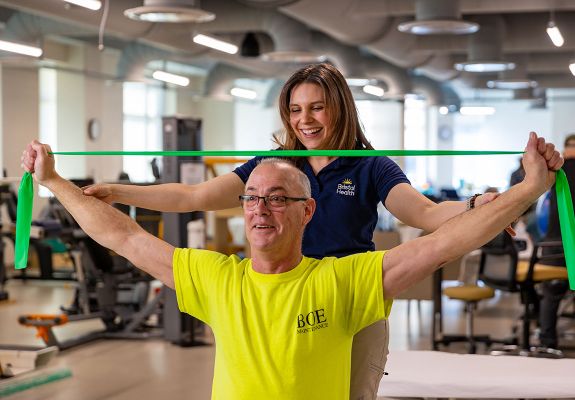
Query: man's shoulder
[[185, 255], [368, 256]]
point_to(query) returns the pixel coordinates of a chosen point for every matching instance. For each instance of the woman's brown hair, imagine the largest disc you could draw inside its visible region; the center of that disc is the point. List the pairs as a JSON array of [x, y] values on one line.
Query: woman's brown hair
[[344, 122]]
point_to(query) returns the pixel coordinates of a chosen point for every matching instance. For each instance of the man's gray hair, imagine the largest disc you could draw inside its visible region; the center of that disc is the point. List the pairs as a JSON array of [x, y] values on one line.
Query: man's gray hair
[[303, 179]]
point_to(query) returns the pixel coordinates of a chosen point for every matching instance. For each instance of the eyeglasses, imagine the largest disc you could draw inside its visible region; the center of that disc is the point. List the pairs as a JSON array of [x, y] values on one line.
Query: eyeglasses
[[274, 202]]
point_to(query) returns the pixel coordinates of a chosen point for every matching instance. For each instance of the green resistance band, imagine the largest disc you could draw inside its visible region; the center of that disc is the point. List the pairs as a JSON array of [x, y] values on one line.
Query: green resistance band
[[567, 223], [26, 192], [23, 220], [288, 153]]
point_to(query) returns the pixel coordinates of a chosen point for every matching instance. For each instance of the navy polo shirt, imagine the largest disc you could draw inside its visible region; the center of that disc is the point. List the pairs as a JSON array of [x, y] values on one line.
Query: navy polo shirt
[[347, 192]]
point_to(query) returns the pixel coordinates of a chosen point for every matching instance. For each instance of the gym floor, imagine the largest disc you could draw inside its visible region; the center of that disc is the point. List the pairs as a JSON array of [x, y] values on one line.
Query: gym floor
[[152, 369]]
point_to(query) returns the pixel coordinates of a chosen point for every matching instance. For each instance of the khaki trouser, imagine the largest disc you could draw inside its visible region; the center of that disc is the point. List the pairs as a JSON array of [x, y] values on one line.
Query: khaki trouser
[[368, 358]]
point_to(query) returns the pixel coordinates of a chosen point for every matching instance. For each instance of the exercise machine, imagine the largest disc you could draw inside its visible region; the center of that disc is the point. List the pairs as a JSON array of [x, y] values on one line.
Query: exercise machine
[[49, 235], [181, 134], [108, 289], [4, 196]]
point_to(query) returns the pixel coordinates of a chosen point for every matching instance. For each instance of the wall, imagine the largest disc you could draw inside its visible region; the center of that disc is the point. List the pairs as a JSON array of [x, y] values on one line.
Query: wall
[[20, 119], [507, 129], [217, 118], [70, 116], [81, 95], [103, 101], [218, 124], [562, 116], [382, 122], [254, 125]]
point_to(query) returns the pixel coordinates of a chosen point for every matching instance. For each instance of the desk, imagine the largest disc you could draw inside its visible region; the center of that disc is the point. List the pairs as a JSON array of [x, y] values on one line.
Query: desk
[[432, 374]]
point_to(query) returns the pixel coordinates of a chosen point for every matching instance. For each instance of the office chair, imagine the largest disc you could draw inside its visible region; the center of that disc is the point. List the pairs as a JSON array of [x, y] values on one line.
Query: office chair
[[470, 293], [500, 268]]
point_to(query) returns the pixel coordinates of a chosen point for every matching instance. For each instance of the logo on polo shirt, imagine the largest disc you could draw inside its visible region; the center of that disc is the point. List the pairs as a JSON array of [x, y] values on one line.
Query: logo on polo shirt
[[346, 188]]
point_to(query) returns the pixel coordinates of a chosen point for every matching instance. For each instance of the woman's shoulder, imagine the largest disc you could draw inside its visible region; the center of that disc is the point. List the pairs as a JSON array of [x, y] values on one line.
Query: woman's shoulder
[[378, 161]]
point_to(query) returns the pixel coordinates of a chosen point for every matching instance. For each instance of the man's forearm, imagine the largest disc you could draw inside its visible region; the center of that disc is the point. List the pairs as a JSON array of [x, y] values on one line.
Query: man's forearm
[[102, 222], [470, 230], [412, 261]]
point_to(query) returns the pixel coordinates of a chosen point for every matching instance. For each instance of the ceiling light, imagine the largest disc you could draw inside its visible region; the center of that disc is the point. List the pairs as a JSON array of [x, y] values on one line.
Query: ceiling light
[[484, 66], [374, 90], [94, 5], [555, 34], [243, 93], [295, 56], [511, 84], [439, 27], [357, 82], [572, 68], [169, 11], [438, 17], [216, 44], [443, 110], [20, 49], [171, 78], [477, 110]]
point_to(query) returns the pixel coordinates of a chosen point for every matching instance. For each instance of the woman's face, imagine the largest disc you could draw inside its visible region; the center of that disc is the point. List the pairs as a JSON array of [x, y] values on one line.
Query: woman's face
[[309, 117]]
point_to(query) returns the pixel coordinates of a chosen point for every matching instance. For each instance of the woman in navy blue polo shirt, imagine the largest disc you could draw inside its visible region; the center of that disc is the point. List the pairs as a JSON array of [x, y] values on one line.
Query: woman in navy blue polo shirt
[[318, 112]]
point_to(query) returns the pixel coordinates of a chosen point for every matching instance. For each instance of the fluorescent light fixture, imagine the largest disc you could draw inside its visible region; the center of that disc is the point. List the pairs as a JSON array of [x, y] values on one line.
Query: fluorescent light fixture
[[170, 11], [243, 93], [94, 5], [572, 68], [485, 66], [357, 82], [374, 90], [171, 78], [438, 27], [20, 49], [477, 110], [443, 110], [555, 34], [214, 43], [511, 84], [293, 56]]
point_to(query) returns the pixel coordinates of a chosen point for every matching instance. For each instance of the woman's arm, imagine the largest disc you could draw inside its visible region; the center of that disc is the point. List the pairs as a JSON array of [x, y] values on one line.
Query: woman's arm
[[414, 209], [216, 194]]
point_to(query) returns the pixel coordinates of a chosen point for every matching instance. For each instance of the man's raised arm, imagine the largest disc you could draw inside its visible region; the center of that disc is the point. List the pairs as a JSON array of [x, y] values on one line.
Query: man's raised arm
[[410, 262], [105, 224]]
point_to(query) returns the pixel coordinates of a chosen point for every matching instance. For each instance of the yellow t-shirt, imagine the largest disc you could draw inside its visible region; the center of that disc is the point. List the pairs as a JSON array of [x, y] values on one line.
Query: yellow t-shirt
[[281, 336]]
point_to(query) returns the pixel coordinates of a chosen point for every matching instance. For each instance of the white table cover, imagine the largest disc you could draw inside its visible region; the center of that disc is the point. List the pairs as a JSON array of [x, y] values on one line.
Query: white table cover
[[439, 374]]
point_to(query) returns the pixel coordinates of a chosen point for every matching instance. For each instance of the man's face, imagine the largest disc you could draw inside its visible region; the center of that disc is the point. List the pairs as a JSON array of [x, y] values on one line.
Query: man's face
[[271, 228]]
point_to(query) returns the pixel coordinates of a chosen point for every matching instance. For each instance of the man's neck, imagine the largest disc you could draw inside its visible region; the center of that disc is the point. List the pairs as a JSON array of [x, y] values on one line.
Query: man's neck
[[266, 262]]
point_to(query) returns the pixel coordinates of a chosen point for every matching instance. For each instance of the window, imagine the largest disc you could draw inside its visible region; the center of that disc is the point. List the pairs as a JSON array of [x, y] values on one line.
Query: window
[[381, 121], [144, 106], [48, 114], [415, 112]]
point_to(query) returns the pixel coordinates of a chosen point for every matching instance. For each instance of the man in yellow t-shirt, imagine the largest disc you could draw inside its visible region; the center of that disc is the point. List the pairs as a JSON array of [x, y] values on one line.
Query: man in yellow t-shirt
[[283, 322], [286, 335]]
